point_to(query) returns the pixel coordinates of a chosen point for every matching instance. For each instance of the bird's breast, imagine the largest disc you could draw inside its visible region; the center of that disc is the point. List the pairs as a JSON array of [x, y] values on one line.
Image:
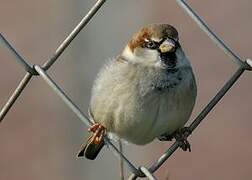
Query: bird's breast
[[142, 104], [156, 106]]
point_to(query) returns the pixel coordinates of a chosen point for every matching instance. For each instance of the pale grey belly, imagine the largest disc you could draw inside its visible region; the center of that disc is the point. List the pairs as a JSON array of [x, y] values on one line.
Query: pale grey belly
[[159, 113], [139, 118]]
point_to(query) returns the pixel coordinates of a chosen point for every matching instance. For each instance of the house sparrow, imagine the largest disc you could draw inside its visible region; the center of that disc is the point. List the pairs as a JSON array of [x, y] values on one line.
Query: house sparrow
[[147, 92]]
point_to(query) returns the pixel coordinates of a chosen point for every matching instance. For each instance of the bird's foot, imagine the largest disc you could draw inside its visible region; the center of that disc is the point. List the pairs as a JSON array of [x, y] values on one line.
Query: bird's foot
[[94, 144], [181, 136], [166, 137], [99, 132]]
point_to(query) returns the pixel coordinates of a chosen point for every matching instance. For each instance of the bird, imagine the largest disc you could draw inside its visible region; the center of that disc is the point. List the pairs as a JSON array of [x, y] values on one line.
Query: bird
[[146, 92]]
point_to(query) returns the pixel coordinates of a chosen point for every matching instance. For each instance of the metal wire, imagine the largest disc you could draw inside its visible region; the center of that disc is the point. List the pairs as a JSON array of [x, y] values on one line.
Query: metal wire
[[38, 70], [121, 160], [47, 64], [247, 65], [148, 173], [63, 96], [74, 33], [209, 32], [18, 57], [15, 95], [79, 113]]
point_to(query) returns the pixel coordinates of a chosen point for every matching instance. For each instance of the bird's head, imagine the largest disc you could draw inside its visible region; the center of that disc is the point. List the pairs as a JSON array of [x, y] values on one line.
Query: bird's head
[[155, 45]]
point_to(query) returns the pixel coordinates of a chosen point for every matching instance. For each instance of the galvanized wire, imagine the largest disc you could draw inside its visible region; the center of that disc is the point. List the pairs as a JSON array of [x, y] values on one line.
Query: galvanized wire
[[47, 64], [18, 57], [78, 112], [247, 65], [74, 33], [147, 173], [81, 115], [209, 32], [38, 70], [5, 109], [122, 176], [63, 96]]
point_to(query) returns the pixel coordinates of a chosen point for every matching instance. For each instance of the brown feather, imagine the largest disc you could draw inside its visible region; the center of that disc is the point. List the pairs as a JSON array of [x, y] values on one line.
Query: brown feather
[[139, 37], [158, 31]]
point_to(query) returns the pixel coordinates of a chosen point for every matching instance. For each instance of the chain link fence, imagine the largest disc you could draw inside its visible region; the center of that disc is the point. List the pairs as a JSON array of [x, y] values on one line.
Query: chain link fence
[[37, 70]]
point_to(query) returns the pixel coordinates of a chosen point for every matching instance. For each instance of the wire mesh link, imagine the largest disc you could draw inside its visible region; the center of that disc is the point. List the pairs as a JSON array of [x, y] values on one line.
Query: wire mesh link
[[74, 33], [47, 64], [18, 57], [63, 96], [209, 32], [78, 112], [148, 173], [249, 63], [38, 70]]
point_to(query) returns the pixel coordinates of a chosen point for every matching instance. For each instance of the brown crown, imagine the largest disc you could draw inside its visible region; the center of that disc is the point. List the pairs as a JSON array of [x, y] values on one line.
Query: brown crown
[[158, 31]]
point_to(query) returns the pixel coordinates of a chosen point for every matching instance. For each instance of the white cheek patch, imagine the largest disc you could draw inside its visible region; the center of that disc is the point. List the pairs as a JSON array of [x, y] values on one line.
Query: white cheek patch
[[143, 55], [150, 54], [128, 54]]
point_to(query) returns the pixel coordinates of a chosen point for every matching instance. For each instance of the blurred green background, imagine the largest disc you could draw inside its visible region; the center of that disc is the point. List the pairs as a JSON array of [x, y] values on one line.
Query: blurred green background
[[40, 136]]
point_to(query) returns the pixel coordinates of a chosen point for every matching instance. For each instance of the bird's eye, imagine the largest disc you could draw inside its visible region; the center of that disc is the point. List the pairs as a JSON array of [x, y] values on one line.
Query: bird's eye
[[151, 44]]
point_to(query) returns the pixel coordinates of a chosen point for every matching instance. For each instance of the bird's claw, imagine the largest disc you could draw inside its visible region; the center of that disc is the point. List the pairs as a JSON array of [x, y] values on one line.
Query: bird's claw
[[99, 131], [181, 136], [166, 137], [93, 146]]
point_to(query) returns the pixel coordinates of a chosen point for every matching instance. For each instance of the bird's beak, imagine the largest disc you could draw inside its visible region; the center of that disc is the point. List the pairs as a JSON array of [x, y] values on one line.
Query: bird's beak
[[167, 46]]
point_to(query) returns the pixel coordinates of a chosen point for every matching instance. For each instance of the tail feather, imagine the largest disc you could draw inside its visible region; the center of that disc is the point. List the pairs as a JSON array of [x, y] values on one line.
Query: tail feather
[[90, 150]]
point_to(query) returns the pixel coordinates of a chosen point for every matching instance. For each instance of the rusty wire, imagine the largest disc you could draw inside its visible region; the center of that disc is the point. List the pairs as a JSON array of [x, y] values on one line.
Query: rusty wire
[[35, 70]]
